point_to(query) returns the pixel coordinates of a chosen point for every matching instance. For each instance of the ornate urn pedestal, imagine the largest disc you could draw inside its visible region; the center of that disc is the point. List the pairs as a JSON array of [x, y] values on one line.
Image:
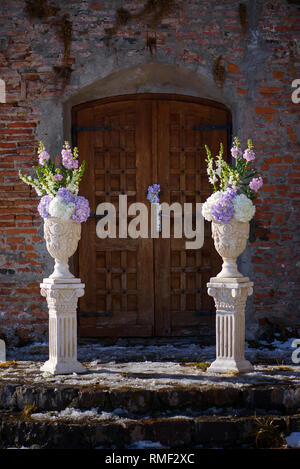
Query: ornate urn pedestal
[[230, 291], [62, 291]]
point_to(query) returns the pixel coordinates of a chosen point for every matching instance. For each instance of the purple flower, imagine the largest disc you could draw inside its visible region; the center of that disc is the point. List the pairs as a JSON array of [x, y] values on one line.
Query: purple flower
[[69, 160], [82, 210], [43, 207], [249, 155], [57, 177], [256, 183], [223, 210], [153, 193], [236, 152], [229, 194], [43, 157], [66, 195]]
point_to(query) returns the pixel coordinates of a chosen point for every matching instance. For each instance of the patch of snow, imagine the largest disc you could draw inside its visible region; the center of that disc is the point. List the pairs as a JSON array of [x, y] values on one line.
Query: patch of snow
[[287, 345], [293, 440], [120, 412], [151, 376], [98, 354], [70, 413], [146, 444], [15, 447]]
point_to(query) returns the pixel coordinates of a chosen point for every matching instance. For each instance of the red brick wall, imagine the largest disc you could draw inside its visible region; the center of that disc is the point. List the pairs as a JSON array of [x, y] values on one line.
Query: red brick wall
[[260, 66]]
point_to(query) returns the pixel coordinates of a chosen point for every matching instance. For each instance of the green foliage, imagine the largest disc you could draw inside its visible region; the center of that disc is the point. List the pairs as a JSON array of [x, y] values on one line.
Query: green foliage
[[49, 178]]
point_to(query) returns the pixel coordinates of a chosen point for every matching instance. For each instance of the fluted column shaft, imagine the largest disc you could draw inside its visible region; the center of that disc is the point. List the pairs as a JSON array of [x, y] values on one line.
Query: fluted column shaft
[[230, 298], [62, 301]]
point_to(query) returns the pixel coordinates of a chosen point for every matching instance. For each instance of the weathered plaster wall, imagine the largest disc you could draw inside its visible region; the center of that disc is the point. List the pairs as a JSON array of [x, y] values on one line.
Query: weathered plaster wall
[[260, 65]]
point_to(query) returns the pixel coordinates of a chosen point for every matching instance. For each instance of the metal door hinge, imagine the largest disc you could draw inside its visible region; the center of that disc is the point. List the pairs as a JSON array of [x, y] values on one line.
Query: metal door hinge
[[84, 128]]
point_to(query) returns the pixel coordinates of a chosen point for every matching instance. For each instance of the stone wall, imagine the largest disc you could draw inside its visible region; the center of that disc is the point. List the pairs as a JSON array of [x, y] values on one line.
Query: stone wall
[[255, 47]]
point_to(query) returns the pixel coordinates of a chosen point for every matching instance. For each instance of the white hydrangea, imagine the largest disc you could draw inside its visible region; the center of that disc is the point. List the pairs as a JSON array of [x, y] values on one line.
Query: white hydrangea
[[211, 200], [59, 209], [243, 208]]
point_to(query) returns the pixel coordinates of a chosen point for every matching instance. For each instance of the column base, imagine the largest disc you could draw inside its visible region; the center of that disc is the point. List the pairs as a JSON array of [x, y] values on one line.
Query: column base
[[225, 365], [61, 368]]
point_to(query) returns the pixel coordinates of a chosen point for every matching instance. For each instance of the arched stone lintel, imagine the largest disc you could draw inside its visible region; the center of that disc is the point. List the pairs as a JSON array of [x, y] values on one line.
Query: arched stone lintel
[[147, 78]]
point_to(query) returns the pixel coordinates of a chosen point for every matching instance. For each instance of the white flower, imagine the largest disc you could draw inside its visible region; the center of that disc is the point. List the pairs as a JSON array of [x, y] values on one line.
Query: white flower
[[206, 207], [73, 187], [38, 192], [243, 208], [59, 209], [213, 179], [219, 171]]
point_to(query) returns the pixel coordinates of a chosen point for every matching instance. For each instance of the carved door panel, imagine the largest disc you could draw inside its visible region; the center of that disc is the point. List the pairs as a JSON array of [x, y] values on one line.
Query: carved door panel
[[144, 287], [183, 306], [119, 289]]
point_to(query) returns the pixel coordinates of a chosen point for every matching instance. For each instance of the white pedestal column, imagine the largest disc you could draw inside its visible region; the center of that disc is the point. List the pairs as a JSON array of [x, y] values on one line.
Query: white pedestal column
[[230, 295], [62, 297]]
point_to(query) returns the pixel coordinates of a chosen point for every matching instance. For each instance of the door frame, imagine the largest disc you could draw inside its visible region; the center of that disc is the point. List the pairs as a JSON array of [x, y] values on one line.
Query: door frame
[[151, 97]]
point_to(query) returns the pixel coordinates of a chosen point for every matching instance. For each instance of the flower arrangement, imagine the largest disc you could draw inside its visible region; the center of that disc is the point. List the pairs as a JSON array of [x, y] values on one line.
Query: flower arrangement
[[153, 193], [59, 186], [234, 186]]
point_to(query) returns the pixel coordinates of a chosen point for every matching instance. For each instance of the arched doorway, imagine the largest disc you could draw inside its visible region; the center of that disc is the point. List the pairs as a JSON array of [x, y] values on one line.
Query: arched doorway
[[146, 287]]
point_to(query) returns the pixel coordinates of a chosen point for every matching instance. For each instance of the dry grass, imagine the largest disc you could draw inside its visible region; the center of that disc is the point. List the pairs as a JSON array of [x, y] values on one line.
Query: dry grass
[[8, 364], [200, 365], [267, 433], [28, 410], [284, 368]]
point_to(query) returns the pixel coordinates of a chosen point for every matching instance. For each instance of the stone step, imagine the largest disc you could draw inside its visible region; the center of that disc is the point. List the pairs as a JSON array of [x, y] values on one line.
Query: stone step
[[149, 387], [170, 404], [69, 430], [281, 398]]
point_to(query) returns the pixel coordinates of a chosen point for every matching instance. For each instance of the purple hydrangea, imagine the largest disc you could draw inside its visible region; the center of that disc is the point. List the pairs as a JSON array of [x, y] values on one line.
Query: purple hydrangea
[[229, 194], [66, 195], [82, 209], [43, 207], [256, 183], [153, 193], [223, 210]]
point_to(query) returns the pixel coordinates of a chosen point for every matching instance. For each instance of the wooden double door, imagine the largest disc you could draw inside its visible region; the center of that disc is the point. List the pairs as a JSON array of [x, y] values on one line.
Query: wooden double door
[[146, 286]]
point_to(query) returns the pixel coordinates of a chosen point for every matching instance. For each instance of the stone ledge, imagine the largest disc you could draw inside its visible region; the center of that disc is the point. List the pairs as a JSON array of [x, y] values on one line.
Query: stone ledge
[[148, 386], [172, 432]]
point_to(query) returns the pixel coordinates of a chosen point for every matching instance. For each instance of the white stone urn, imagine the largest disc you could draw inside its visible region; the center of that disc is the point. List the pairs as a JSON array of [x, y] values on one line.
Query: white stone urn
[[62, 238], [230, 240]]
